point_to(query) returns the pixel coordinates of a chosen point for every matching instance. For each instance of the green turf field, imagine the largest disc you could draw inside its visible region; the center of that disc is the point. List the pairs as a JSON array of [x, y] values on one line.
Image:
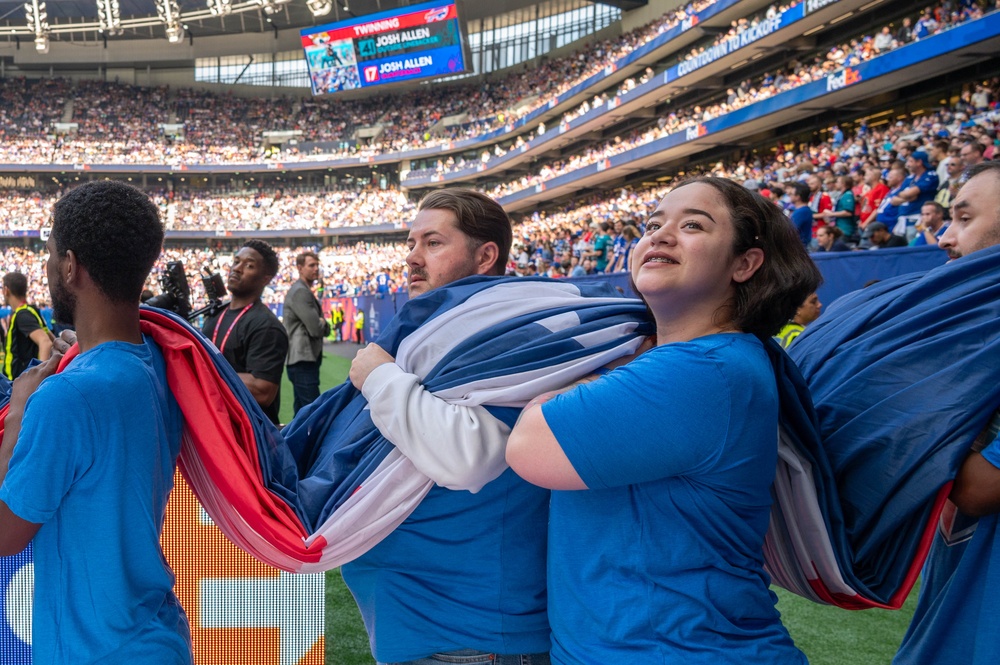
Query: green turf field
[[828, 636]]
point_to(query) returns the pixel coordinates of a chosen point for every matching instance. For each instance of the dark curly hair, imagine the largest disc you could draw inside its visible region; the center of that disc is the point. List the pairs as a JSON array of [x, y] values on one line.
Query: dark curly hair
[[271, 264], [115, 232]]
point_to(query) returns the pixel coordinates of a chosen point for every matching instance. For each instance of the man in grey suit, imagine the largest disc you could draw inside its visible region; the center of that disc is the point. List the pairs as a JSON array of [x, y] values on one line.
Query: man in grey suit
[[303, 318]]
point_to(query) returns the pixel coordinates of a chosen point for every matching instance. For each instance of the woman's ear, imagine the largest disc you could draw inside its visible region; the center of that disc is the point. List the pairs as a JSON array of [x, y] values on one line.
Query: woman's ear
[[747, 264]]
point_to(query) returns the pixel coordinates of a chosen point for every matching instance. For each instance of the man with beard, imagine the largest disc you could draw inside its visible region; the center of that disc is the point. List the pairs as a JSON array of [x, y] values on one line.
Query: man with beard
[[92, 497], [462, 580], [248, 334], [959, 594]]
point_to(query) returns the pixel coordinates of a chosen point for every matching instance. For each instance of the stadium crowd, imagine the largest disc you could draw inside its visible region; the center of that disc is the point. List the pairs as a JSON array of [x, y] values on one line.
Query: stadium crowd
[[128, 124], [815, 67], [570, 241]]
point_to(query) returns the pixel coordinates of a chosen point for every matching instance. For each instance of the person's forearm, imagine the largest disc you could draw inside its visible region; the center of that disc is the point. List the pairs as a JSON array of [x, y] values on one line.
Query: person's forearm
[[458, 447], [12, 427], [263, 392]]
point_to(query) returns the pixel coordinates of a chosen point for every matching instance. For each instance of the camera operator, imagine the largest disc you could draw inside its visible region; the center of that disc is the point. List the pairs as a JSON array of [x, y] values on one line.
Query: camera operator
[[247, 333]]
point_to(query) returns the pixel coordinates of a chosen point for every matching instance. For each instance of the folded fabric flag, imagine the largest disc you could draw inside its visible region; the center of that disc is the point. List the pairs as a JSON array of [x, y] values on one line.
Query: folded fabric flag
[[904, 375], [329, 487]]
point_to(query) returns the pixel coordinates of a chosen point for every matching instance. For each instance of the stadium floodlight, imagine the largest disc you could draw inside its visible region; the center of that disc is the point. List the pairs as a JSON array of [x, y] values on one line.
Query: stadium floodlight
[[220, 7], [320, 7], [38, 22], [170, 14], [109, 16], [271, 6]]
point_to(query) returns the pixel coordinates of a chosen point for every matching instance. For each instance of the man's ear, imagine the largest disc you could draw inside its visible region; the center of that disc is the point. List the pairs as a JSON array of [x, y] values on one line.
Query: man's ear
[[70, 268], [486, 257]]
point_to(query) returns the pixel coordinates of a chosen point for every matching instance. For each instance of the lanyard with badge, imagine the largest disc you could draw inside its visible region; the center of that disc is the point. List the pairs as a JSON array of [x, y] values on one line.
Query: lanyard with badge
[[215, 335]]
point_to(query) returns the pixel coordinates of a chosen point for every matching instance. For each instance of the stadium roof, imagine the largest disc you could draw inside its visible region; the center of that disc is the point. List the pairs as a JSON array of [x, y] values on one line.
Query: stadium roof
[[141, 19]]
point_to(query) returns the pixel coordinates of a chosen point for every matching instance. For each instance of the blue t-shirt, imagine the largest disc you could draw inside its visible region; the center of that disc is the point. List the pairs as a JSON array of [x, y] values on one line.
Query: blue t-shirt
[[928, 184], [661, 560], [887, 212], [94, 463], [920, 241], [959, 605], [802, 218], [464, 571]]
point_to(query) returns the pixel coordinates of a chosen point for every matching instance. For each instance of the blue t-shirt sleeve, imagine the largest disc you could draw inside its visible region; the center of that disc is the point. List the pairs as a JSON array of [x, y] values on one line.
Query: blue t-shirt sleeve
[[54, 448], [664, 414], [992, 452]]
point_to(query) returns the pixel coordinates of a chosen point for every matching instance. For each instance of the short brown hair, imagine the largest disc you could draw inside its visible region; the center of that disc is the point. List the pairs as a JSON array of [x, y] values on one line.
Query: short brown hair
[[300, 260], [479, 217], [17, 284]]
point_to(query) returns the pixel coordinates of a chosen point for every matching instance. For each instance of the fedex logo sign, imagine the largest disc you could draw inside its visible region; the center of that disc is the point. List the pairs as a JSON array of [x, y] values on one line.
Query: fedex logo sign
[[17, 581], [842, 79], [696, 131]]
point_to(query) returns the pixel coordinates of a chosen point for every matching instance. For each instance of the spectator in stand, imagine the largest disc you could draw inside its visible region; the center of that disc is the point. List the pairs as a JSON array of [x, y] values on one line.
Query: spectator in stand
[[882, 238], [919, 187], [631, 239], [876, 192], [940, 153], [602, 247], [617, 248], [949, 187], [888, 212], [830, 239], [843, 213], [802, 216], [884, 40], [931, 226], [905, 32], [971, 153]]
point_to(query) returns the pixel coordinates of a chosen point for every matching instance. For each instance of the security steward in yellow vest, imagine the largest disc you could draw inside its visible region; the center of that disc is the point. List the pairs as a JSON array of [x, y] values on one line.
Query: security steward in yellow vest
[[27, 336]]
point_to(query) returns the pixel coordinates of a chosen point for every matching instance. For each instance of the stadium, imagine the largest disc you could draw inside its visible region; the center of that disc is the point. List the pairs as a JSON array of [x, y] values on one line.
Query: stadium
[[260, 119]]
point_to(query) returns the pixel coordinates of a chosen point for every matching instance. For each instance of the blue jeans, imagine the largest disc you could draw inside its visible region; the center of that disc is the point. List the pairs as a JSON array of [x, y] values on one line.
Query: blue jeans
[[474, 657], [304, 377]]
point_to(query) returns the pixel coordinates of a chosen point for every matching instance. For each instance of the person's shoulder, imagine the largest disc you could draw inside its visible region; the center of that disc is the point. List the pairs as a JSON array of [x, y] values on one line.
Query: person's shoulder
[[263, 314], [718, 347], [294, 289]]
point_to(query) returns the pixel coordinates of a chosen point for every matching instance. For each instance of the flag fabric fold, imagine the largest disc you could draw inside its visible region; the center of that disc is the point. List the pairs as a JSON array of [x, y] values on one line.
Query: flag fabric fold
[[329, 487], [903, 376], [886, 393]]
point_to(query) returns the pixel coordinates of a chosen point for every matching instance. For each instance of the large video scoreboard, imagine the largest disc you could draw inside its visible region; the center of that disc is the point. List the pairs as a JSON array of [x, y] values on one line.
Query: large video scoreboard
[[405, 44]]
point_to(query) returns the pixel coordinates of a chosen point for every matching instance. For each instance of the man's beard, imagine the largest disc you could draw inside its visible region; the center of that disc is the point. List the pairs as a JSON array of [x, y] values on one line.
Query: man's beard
[[63, 303]]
